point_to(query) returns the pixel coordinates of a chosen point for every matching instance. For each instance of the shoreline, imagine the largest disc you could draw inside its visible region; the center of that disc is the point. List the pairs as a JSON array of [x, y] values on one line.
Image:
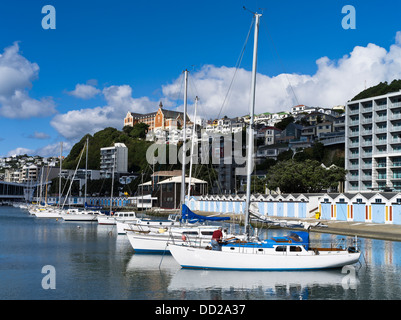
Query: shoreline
[[369, 230], [378, 231]]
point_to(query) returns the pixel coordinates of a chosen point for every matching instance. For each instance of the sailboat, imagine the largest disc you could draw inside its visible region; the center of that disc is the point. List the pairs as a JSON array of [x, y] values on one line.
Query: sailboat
[[76, 214], [283, 253], [150, 237], [50, 211], [153, 237]]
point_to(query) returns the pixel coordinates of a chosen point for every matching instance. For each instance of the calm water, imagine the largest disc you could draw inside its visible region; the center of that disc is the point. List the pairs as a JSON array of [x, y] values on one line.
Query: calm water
[[92, 262]]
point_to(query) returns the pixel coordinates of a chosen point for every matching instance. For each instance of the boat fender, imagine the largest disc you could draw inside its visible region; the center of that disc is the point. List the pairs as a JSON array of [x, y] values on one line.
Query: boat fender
[[183, 237]]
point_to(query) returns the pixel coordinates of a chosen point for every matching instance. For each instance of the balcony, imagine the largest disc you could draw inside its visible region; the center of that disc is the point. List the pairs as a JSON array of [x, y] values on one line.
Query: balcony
[[381, 141], [354, 155], [381, 107], [395, 105], [395, 116], [353, 133], [381, 129], [366, 143], [354, 111], [366, 120]]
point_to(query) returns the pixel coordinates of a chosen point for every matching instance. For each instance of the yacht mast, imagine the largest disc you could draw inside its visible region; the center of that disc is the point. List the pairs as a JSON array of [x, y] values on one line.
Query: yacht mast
[[86, 169], [192, 146], [184, 137], [249, 165], [59, 179]]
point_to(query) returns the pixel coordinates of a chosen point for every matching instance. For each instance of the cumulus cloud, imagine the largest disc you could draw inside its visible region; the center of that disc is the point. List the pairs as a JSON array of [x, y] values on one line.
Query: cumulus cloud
[[50, 150], [53, 149], [334, 83], [84, 91], [76, 123], [16, 76], [20, 151]]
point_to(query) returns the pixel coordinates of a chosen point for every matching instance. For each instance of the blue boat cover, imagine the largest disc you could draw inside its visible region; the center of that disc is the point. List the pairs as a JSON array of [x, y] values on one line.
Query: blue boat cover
[[301, 237], [188, 215]]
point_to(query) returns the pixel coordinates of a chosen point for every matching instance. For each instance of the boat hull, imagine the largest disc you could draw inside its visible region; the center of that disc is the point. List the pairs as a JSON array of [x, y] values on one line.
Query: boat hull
[[154, 242], [112, 220], [159, 244], [198, 258], [47, 214], [142, 225], [107, 220], [79, 217]]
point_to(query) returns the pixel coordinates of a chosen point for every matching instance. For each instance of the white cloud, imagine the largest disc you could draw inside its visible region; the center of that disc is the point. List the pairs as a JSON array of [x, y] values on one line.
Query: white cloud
[[53, 150], [39, 135], [50, 150], [20, 151], [334, 83], [16, 76], [84, 91], [76, 123]]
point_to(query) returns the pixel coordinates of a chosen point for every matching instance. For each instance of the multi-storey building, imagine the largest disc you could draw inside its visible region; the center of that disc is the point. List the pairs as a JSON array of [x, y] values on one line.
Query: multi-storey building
[[113, 159], [373, 143], [162, 119]]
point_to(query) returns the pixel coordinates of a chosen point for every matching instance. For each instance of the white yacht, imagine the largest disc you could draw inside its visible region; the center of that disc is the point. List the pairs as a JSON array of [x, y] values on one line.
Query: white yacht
[[117, 216], [80, 215]]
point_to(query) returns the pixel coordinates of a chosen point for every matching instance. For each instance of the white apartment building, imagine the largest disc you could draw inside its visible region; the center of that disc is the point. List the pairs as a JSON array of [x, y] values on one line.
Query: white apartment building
[[117, 157], [373, 143]]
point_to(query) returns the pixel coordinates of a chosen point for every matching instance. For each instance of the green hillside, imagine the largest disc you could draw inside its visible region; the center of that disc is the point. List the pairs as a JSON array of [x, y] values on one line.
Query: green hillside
[[133, 138], [378, 90]]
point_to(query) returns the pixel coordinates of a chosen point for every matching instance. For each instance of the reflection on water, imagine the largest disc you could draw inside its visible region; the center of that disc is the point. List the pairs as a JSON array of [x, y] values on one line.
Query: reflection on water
[[93, 262]]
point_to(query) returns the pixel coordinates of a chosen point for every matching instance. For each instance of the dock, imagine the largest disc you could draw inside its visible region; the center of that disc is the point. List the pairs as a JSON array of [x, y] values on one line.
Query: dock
[[380, 231]]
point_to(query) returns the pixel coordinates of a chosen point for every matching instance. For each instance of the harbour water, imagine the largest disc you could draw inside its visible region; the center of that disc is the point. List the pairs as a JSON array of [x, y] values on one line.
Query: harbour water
[[91, 261]]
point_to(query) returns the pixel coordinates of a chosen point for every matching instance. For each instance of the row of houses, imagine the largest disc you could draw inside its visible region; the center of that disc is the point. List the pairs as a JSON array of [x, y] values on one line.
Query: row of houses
[[379, 208], [357, 207]]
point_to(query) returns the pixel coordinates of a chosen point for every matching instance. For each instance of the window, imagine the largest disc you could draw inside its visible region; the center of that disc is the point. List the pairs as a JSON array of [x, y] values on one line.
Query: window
[[378, 200], [281, 248], [295, 249]]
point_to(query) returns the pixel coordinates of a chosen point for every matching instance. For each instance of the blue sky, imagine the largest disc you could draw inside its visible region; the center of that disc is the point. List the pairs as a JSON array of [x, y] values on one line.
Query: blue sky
[[129, 55]]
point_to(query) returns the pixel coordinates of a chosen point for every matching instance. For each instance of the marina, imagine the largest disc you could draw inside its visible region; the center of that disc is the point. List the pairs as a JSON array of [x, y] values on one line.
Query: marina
[[93, 262], [276, 200]]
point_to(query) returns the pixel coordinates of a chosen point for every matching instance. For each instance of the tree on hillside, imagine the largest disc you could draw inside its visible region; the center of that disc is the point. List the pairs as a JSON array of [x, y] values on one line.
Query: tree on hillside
[[132, 137], [139, 130], [284, 123], [378, 90], [302, 177]]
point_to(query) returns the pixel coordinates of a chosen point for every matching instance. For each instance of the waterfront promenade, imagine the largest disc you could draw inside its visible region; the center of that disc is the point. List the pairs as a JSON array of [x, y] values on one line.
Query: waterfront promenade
[[361, 229], [380, 231], [391, 232]]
